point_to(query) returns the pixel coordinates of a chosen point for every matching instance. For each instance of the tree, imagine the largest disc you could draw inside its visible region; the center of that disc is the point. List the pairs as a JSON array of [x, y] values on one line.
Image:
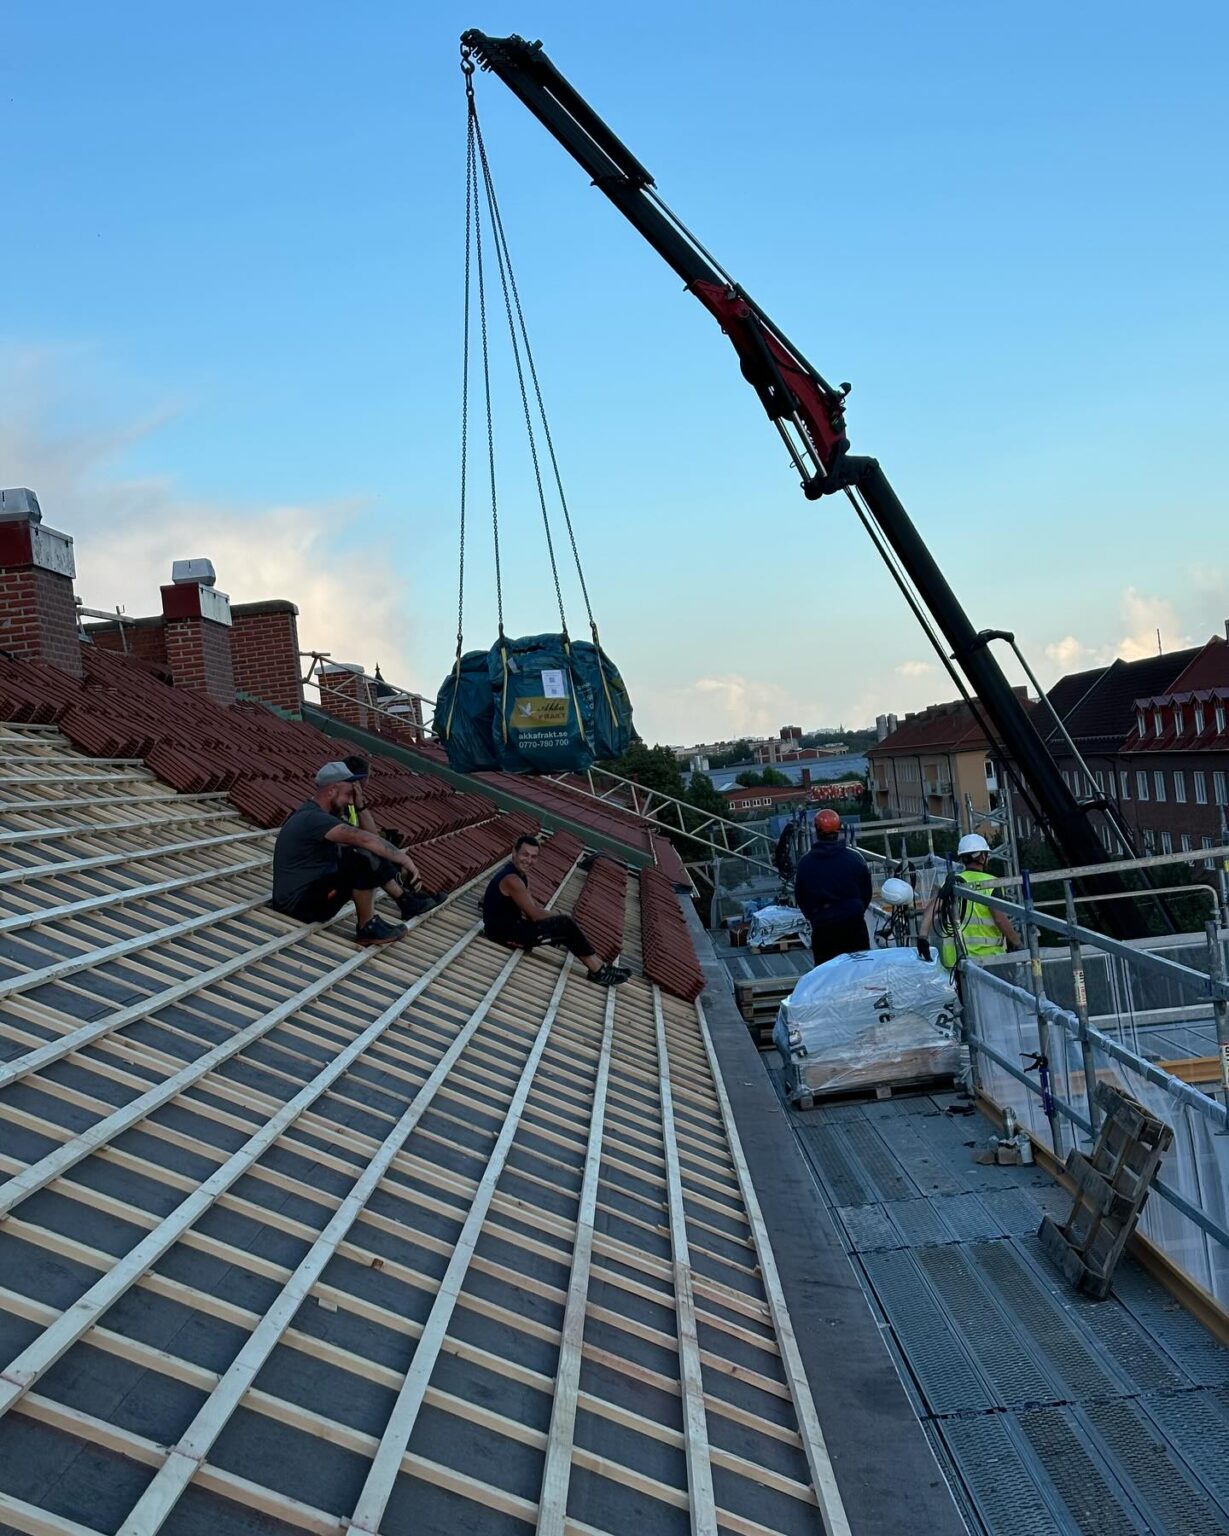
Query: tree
[[772, 778], [654, 767], [749, 779], [702, 794]]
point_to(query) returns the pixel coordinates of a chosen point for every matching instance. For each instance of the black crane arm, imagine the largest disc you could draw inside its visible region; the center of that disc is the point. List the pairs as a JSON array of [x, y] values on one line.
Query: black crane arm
[[809, 413]]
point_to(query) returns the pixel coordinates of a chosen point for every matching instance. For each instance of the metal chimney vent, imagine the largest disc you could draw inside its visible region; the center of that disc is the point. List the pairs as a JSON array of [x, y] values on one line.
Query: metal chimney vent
[[19, 505], [193, 573]]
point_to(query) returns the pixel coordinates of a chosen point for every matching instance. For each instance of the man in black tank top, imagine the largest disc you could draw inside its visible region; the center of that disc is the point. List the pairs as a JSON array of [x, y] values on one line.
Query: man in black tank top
[[510, 915]]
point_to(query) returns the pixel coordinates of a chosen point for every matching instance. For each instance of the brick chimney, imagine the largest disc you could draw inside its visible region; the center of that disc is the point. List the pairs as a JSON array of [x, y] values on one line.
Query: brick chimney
[[265, 652], [38, 615], [345, 693], [197, 626]]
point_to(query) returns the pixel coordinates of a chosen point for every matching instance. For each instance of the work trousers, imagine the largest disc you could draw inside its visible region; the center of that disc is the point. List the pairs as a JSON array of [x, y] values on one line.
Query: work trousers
[[560, 930], [357, 870], [847, 938]]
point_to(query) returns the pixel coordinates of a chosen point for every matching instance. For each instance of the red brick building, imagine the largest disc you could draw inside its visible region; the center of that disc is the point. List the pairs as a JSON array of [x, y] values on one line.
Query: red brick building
[[1174, 763], [1153, 736]]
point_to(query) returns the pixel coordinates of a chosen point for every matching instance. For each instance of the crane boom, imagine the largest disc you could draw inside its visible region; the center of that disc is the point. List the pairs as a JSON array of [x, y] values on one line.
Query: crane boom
[[809, 413]]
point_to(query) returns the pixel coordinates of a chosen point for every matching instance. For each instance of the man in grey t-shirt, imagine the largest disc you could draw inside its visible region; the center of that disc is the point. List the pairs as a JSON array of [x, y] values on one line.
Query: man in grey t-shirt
[[320, 862]]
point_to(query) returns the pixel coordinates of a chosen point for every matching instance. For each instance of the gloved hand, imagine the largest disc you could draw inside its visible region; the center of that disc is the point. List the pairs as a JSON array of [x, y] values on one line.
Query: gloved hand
[[923, 946]]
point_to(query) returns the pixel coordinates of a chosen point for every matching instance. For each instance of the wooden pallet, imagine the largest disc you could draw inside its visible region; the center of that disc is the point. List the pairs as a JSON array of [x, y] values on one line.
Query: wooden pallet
[[758, 999], [781, 947], [870, 1092], [1110, 1190]]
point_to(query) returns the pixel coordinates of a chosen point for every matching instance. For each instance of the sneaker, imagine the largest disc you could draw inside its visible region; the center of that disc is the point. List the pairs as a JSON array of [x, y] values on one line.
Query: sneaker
[[609, 976], [377, 931], [415, 903]]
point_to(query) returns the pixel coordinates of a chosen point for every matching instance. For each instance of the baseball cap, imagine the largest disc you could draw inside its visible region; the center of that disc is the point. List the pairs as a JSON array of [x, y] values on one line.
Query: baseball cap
[[333, 773]]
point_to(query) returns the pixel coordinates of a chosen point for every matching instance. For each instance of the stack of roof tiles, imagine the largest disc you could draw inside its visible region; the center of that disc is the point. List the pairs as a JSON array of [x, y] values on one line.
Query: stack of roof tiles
[[669, 955], [571, 796], [123, 707], [264, 763], [602, 906]]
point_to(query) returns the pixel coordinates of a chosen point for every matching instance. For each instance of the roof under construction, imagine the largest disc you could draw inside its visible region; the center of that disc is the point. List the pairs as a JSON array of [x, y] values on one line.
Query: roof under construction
[[303, 1237]]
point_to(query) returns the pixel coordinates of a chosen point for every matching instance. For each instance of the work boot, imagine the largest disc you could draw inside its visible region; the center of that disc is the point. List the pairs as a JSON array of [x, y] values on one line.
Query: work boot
[[415, 903], [377, 931], [609, 976]]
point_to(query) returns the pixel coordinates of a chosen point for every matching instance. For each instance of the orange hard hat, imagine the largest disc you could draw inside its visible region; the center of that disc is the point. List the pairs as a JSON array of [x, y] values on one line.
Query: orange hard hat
[[827, 823]]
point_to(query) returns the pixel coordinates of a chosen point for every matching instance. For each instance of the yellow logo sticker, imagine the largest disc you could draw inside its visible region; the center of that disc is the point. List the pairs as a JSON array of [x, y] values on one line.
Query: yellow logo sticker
[[538, 713]]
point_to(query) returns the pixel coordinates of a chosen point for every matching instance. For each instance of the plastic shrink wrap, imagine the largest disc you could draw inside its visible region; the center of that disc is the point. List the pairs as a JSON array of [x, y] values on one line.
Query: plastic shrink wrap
[[769, 925], [868, 1020]]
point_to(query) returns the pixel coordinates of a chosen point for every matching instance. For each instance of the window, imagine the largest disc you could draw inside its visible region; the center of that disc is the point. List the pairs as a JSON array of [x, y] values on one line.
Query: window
[[1149, 840], [1199, 719], [1167, 843], [1179, 719], [1124, 784], [1201, 786], [1206, 842], [1220, 719], [1186, 842], [1218, 787], [1179, 786], [1141, 784], [1141, 722], [1100, 778], [1158, 782], [1158, 721]]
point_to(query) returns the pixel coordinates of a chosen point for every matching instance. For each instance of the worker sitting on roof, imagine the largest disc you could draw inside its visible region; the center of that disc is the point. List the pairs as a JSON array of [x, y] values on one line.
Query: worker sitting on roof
[[833, 891], [510, 915], [320, 862], [414, 900], [967, 927]]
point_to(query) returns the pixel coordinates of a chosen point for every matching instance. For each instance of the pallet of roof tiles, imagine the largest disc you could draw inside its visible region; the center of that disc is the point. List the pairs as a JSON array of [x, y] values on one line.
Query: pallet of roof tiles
[[868, 1022], [1110, 1190]]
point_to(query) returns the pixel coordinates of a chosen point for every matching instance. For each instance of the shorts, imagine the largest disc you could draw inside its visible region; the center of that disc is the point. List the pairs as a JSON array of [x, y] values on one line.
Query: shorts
[[357, 870]]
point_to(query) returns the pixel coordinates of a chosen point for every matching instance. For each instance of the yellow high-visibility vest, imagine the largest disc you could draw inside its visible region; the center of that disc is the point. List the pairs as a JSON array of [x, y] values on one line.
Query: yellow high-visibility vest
[[979, 932]]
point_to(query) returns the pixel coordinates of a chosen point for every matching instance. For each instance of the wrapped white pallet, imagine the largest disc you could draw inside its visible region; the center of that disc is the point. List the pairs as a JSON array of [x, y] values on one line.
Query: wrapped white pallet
[[769, 925], [866, 1021]]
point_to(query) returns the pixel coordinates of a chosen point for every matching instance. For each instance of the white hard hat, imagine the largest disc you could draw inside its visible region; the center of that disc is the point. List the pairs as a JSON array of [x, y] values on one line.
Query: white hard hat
[[972, 842], [897, 893]]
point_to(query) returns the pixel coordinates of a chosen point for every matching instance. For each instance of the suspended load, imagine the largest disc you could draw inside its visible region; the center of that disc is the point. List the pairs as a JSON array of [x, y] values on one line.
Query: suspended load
[[613, 732], [543, 711], [544, 703], [465, 714]]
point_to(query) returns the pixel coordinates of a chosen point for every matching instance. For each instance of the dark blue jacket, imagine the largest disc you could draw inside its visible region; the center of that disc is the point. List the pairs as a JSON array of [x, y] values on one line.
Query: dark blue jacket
[[833, 885]]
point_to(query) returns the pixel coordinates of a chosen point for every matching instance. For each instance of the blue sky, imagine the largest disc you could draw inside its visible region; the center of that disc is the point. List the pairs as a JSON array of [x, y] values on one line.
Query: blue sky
[[230, 325]]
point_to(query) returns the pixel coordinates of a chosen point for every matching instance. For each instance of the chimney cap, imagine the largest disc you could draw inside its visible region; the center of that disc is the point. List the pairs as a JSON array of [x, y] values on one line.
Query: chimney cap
[[193, 573], [19, 505]]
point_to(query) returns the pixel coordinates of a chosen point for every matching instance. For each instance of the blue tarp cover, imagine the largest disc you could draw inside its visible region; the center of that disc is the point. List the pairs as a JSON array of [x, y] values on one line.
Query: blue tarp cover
[[612, 708], [540, 704], [467, 725], [543, 710]]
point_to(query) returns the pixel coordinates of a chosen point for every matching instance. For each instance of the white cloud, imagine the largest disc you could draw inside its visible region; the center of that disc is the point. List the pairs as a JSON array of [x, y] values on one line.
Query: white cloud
[[1151, 623], [128, 529], [1066, 653], [914, 668]]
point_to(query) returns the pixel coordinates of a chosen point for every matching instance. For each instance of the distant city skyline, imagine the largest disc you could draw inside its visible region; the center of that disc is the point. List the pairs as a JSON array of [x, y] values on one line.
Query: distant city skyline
[[230, 326]]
